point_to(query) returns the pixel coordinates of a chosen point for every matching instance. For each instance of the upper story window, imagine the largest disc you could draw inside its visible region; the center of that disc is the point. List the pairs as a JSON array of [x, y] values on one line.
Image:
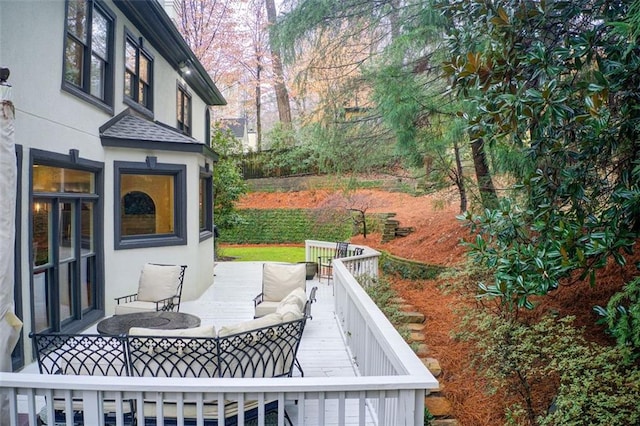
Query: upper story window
[[88, 52], [183, 110], [138, 74]]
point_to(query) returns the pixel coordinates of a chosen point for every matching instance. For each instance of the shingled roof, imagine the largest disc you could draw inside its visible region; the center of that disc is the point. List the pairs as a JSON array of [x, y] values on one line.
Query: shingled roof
[[130, 130]]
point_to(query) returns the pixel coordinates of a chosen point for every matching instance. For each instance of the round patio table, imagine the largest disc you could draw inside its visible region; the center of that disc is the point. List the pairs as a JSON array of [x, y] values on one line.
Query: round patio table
[[165, 320]]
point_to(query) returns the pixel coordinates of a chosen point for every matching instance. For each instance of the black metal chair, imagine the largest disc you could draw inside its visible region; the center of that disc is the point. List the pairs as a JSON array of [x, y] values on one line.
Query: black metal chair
[[161, 291], [325, 263]]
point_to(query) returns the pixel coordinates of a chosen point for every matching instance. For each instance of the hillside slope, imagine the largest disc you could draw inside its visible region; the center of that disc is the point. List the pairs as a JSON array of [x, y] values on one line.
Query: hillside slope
[[437, 231], [436, 241]]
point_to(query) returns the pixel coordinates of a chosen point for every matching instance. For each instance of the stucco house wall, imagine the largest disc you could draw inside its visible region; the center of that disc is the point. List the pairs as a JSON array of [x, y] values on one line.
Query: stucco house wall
[[52, 121]]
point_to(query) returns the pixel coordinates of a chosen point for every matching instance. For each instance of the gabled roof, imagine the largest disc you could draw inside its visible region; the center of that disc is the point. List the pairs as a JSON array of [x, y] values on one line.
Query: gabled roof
[[155, 25], [131, 130], [236, 125]]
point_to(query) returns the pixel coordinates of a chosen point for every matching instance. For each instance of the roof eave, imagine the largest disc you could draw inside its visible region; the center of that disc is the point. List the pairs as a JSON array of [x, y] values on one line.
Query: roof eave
[[160, 146], [155, 25]]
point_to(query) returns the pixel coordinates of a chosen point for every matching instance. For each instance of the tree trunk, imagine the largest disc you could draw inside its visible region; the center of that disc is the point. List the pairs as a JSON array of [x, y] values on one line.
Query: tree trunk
[[282, 95], [258, 119], [258, 102], [485, 183], [460, 178]]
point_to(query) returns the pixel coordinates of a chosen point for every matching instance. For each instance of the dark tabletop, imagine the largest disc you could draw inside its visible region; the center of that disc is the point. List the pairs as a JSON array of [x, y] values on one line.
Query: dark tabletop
[[120, 324]]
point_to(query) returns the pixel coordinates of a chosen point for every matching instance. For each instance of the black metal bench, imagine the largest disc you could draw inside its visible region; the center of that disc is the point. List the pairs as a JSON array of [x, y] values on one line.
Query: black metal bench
[[265, 352]]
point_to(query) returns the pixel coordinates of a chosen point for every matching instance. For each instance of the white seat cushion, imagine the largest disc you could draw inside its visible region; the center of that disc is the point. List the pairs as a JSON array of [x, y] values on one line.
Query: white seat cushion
[[134, 307], [289, 312], [158, 282], [266, 308]]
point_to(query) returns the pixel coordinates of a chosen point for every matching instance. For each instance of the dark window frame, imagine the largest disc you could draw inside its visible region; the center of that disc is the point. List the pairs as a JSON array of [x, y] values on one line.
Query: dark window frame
[[179, 235], [84, 90], [183, 102], [73, 161], [134, 101], [17, 356], [207, 124], [207, 176]]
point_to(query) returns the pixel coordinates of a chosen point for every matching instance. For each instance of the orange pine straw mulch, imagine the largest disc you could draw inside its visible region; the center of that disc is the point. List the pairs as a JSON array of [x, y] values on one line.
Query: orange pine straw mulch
[[436, 241]]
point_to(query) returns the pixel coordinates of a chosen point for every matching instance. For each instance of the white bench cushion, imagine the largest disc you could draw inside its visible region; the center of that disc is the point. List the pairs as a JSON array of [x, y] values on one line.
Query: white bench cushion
[[202, 331], [254, 324]]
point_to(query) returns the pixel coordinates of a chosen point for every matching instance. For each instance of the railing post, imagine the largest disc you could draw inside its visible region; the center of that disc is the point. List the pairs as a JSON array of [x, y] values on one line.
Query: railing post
[[92, 406]]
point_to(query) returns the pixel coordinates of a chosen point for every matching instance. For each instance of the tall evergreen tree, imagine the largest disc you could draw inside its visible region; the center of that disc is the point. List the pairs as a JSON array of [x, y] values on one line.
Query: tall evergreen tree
[[557, 82]]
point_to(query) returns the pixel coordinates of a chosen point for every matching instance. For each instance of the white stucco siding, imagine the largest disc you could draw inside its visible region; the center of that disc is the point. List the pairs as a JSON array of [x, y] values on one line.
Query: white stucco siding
[[122, 267], [198, 108], [46, 117], [51, 119]]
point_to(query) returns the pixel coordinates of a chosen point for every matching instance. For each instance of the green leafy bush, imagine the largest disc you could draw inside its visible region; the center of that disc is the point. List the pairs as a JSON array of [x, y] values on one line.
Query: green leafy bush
[[622, 316], [228, 183], [595, 384]]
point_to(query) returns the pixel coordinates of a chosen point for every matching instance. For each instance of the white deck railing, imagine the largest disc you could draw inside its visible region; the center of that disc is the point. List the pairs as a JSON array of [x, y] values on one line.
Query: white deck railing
[[389, 389]]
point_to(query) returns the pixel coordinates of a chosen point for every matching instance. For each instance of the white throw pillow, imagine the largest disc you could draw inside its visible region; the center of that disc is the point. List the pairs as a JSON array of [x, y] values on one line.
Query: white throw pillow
[[297, 297], [158, 282], [280, 279], [289, 312]]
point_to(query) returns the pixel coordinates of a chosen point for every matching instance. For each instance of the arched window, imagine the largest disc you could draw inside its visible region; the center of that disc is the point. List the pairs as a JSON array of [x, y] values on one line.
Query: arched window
[[137, 202], [139, 215]]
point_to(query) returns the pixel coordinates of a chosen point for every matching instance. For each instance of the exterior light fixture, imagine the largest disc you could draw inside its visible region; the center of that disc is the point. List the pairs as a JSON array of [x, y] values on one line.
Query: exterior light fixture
[[184, 68]]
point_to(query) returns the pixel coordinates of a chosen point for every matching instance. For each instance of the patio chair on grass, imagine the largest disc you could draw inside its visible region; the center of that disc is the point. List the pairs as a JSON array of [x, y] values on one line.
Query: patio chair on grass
[[159, 289], [278, 280], [325, 263]]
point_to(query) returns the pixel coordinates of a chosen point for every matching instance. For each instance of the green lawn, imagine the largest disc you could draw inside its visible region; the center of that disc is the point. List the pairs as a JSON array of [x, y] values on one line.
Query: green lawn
[[263, 254]]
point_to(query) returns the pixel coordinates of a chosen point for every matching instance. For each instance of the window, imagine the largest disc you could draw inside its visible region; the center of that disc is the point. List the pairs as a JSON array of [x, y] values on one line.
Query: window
[[65, 242], [206, 204], [88, 52], [207, 127], [183, 110], [151, 210], [138, 74]]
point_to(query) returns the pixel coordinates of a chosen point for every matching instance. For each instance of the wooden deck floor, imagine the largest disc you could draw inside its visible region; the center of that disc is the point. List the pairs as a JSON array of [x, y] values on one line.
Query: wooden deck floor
[[322, 352], [229, 300]]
